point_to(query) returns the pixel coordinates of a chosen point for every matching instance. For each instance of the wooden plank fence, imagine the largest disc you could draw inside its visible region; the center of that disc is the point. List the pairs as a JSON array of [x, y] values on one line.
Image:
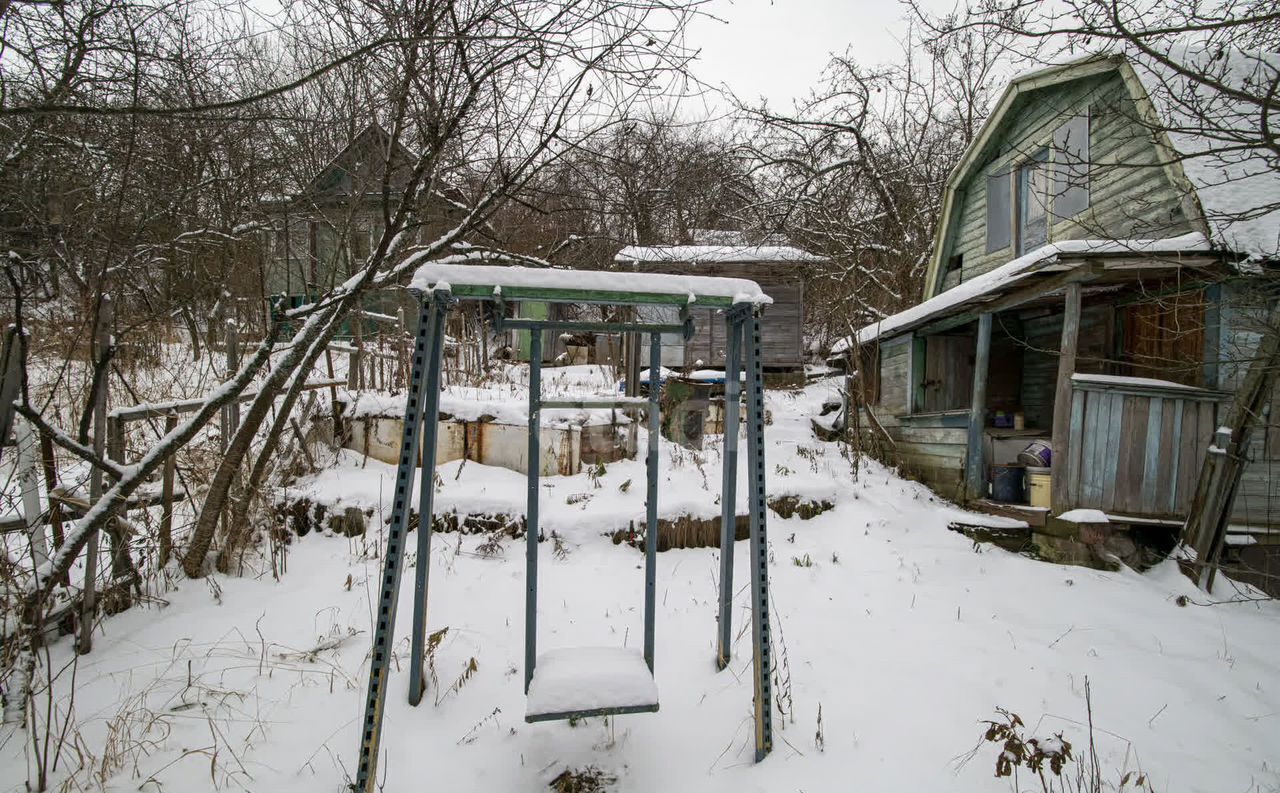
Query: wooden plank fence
[[1137, 446]]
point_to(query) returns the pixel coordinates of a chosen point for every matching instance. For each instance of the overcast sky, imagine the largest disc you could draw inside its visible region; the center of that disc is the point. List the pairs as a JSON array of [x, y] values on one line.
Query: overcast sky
[[777, 48]]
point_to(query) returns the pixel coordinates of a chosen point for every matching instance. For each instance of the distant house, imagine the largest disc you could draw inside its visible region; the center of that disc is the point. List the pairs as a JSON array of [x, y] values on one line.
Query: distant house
[[1095, 274], [779, 269], [328, 228]]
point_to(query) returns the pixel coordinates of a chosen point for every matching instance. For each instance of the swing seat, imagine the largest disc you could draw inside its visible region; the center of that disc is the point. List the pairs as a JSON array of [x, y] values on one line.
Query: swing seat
[[577, 682]]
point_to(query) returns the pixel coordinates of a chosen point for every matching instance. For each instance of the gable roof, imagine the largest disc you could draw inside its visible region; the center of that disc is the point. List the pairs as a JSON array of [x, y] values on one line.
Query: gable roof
[[363, 156], [1236, 189]]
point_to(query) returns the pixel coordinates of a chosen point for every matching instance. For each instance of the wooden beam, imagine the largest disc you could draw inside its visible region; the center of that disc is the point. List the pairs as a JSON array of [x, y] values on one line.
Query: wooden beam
[[1085, 272], [975, 465], [1213, 322], [1062, 396], [162, 409]]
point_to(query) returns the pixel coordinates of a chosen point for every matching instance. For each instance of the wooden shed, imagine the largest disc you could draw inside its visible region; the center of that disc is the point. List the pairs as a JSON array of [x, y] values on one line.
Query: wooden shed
[[780, 271]]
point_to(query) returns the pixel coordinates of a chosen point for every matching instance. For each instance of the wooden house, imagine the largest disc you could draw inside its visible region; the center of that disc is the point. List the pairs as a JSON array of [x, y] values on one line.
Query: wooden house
[[324, 232], [1101, 273], [779, 269]]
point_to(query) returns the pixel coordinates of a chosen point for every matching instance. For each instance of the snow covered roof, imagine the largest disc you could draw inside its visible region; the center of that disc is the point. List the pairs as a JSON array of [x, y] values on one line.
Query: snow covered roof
[[536, 283], [716, 254], [993, 283], [1216, 135]]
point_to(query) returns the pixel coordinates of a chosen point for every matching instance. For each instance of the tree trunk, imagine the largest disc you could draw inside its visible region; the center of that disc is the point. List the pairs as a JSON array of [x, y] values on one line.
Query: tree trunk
[[305, 351]]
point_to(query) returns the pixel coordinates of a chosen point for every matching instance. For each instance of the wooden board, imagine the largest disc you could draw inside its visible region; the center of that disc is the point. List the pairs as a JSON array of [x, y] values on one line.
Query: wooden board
[[1137, 453]]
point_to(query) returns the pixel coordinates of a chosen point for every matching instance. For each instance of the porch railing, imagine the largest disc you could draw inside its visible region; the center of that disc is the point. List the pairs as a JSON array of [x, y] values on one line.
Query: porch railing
[[1136, 445]]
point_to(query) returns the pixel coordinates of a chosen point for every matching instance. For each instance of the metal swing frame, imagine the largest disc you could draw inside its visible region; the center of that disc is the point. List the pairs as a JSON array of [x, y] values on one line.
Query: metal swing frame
[[742, 327]]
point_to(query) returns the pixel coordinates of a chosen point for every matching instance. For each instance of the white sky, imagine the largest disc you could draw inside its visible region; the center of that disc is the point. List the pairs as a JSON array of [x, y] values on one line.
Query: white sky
[[778, 48]]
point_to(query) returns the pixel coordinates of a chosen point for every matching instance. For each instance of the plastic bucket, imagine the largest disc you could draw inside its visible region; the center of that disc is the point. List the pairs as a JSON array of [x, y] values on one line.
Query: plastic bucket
[[1038, 454], [1039, 484], [1008, 482]]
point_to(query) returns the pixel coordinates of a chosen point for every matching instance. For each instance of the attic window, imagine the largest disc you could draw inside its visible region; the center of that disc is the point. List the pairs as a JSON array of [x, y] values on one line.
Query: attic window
[[1033, 202], [998, 232], [1071, 167]]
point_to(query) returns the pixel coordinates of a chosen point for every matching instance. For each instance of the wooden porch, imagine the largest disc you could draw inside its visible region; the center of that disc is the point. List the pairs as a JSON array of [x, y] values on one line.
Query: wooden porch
[[1115, 363]]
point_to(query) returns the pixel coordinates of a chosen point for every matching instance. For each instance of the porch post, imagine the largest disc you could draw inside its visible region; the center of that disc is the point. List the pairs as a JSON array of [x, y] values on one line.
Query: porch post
[[975, 465], [1062, 397]]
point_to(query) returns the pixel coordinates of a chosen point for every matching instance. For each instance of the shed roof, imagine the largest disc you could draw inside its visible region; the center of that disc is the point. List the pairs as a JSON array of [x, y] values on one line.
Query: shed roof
[[717, 254], [1052, 258], [585, 286]]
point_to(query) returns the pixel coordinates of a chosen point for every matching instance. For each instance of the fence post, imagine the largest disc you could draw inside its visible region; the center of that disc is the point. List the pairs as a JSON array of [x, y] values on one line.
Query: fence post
[[120, 539], [402, 352], [55, 508], [166, 509], [233, 366], [89, 602], [29, 482]]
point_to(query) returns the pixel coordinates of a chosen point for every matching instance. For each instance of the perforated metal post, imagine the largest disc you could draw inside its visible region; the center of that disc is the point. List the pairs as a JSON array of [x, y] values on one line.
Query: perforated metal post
[[533, 469], [440, 303], [733, 321], [651, 497], [389, 583], [762, 658]]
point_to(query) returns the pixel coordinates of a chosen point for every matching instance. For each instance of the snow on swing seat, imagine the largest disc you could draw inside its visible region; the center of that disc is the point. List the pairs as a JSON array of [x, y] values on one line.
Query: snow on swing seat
[[590, 681]]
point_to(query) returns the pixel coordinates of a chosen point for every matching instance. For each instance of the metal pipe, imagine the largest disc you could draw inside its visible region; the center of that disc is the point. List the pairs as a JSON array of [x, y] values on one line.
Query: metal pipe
[[651, 497], [595, 327], [427, 492], [531, 512], [619, 403], [729, 481]]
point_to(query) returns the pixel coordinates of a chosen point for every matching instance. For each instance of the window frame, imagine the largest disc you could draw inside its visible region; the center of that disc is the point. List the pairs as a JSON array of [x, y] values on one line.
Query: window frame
[[1072, 167], [997, 219], [1039, 160]]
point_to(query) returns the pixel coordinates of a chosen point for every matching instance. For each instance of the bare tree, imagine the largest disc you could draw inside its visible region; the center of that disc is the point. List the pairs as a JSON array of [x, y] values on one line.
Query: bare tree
[[487, 94], [857, 170]]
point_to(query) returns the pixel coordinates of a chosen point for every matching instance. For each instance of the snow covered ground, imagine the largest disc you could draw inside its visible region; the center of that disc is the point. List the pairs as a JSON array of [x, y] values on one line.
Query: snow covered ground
[[905, 634]]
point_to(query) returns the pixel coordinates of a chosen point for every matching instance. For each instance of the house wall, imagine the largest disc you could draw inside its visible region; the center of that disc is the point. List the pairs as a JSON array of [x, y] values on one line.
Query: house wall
[[1042, 334], [1242, 315], [929, 447], [1131, 193]]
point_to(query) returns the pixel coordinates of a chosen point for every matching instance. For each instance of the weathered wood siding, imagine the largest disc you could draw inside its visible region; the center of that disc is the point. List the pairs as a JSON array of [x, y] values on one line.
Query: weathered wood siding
[[782, 328], [1137, 450], [1242, 318], [1042, 333], [930, 447], [1131, 193], [895, 373]]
